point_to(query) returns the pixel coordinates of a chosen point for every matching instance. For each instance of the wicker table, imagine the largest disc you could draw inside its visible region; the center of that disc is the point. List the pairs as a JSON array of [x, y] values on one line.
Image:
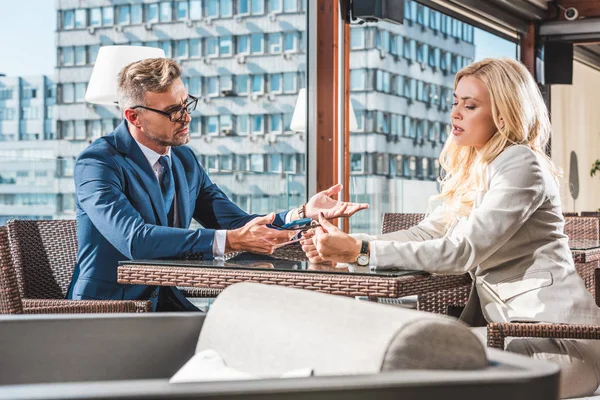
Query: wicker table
[[197, 274], [585, 250]]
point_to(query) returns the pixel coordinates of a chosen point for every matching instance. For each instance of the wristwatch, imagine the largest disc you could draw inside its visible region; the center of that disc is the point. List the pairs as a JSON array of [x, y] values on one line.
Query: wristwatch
[[364, 256]]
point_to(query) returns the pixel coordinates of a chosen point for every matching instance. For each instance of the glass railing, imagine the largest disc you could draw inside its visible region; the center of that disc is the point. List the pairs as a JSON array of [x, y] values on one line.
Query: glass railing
[[385, 194]]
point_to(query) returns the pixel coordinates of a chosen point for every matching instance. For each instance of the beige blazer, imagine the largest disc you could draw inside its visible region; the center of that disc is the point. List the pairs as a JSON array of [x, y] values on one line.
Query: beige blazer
[[512, 244]]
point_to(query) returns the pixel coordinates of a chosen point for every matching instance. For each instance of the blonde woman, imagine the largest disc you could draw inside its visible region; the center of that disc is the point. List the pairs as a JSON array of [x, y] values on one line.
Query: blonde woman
[[500, 220]]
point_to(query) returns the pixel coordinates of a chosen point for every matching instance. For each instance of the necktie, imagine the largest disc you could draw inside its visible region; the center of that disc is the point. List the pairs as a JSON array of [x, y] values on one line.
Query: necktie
[[167, 184]]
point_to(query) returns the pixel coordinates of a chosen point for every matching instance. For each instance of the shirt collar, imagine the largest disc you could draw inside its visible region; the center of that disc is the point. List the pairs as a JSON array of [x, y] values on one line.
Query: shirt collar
[[151, 155]]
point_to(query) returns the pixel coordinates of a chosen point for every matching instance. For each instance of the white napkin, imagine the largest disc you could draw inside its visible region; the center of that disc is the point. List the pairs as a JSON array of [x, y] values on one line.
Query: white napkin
[[208, 365]]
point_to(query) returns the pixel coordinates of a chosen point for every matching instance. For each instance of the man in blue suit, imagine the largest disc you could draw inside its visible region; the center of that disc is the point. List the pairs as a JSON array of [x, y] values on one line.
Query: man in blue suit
[[138, 188]]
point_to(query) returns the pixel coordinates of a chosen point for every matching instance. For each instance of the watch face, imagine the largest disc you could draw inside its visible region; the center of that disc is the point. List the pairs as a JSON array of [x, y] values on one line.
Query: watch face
[[362, 260]]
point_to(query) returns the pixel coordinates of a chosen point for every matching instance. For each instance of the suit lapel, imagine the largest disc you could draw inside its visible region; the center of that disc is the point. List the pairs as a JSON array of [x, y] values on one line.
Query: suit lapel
[[181, 189], [125, 144]]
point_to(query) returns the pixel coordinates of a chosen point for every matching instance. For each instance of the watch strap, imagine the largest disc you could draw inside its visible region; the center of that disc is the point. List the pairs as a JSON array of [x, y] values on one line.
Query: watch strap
[[364, 247]]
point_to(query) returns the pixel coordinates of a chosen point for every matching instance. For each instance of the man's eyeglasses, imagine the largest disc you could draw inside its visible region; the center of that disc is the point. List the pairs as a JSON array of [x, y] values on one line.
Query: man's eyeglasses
[[175, 114]]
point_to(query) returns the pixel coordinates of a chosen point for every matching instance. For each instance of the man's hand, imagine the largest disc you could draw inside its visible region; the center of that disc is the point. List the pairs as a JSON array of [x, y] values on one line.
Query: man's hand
[[331, 208], [333, 244], [256, 237]]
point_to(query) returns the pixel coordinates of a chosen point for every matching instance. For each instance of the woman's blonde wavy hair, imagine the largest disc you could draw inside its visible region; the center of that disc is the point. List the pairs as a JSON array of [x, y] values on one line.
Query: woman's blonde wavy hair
[[517, 101]]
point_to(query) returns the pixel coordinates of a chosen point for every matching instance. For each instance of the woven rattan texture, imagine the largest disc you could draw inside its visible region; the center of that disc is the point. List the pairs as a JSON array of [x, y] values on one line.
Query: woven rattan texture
[[44, 255], [10, 298], [582, 228], [436, 302], [497, 332]]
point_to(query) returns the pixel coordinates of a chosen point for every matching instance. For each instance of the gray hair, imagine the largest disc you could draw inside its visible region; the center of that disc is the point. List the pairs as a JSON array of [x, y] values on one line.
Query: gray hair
[[149, 75]]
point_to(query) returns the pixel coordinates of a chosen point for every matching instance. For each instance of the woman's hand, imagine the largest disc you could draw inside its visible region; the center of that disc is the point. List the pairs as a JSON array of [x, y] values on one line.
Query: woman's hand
[[332, 244], [309, 248]]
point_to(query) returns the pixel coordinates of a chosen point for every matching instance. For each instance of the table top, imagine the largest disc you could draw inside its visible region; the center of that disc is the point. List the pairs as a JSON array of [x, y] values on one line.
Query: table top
[[584, 244], [289, 269]]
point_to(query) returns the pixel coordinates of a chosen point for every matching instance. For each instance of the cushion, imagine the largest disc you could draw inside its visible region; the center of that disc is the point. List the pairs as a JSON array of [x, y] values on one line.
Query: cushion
[[267, 330]]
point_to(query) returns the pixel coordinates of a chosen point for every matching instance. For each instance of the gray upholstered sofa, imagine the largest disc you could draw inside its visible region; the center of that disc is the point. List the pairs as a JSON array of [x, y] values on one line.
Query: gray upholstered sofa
[[357, 350]]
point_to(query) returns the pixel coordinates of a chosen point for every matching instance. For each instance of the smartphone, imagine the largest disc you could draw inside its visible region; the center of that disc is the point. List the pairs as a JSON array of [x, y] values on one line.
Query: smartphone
[[299, 223]]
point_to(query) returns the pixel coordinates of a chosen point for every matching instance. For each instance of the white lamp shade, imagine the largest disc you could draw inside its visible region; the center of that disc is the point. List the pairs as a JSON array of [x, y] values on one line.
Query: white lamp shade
[[102, 88], [298, 123]]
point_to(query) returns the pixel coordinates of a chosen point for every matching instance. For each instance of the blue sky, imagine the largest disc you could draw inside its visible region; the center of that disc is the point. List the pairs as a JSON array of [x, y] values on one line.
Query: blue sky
[[27, 39]]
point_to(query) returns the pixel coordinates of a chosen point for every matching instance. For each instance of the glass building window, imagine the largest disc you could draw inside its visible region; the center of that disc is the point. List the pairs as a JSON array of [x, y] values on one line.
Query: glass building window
[[274, 43], [108, 16], [242, 124], [356, 163], [242, 84], [211, 47], [195, 9], [256, 43], [258, 7], [289, 163], [194, 48], [95, 17], [80, 55], [226, 8], [357, 38], [289, 42], [182, 10], [212, 8], [257, 84], [225, 121], [242, 7], [212, 125], [166, 46], [360, 121], [152, 12], [257, 163], [275, 6], [195, 86], [123, 15], [257, 125], [166, 13], [93, 53], [242, 44], [68, 20], [68, 56], [241, 162], [225, 82], [289, 82], [212, 86], [80, 92], [80, 18], [275, 83], [275, 163], [290, 6], [276, 123], [182, 49], [357, 79], [225, 48], [225, 163]]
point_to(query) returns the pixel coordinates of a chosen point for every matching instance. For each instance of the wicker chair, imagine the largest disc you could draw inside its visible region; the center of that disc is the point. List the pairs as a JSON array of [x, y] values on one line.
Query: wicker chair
[[570, 214], [590, 214], [582, 228], [43, 254], [447, 301]]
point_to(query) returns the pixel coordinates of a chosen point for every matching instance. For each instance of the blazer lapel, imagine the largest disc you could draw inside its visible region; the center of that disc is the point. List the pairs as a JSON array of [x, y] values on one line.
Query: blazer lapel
[[181, 188], [125, 144]]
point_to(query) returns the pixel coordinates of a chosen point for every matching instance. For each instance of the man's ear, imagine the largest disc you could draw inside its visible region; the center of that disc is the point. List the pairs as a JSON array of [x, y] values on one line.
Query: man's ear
[[132, 117]]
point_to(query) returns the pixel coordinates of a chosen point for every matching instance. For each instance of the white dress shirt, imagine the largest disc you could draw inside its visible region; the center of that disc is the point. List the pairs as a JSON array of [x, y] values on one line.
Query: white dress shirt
[[152, 157]]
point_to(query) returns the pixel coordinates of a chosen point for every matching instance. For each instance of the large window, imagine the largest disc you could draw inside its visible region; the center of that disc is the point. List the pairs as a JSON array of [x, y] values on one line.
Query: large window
[[403, 92]]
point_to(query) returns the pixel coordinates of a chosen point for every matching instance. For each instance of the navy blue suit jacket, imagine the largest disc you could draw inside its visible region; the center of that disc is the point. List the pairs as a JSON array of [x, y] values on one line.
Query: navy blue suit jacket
[[121, 216]]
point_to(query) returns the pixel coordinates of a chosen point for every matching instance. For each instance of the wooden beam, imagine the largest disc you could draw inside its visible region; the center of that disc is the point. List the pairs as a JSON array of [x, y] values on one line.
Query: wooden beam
[[527, 47], [327, 93], [586, 8], [346, 118]]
